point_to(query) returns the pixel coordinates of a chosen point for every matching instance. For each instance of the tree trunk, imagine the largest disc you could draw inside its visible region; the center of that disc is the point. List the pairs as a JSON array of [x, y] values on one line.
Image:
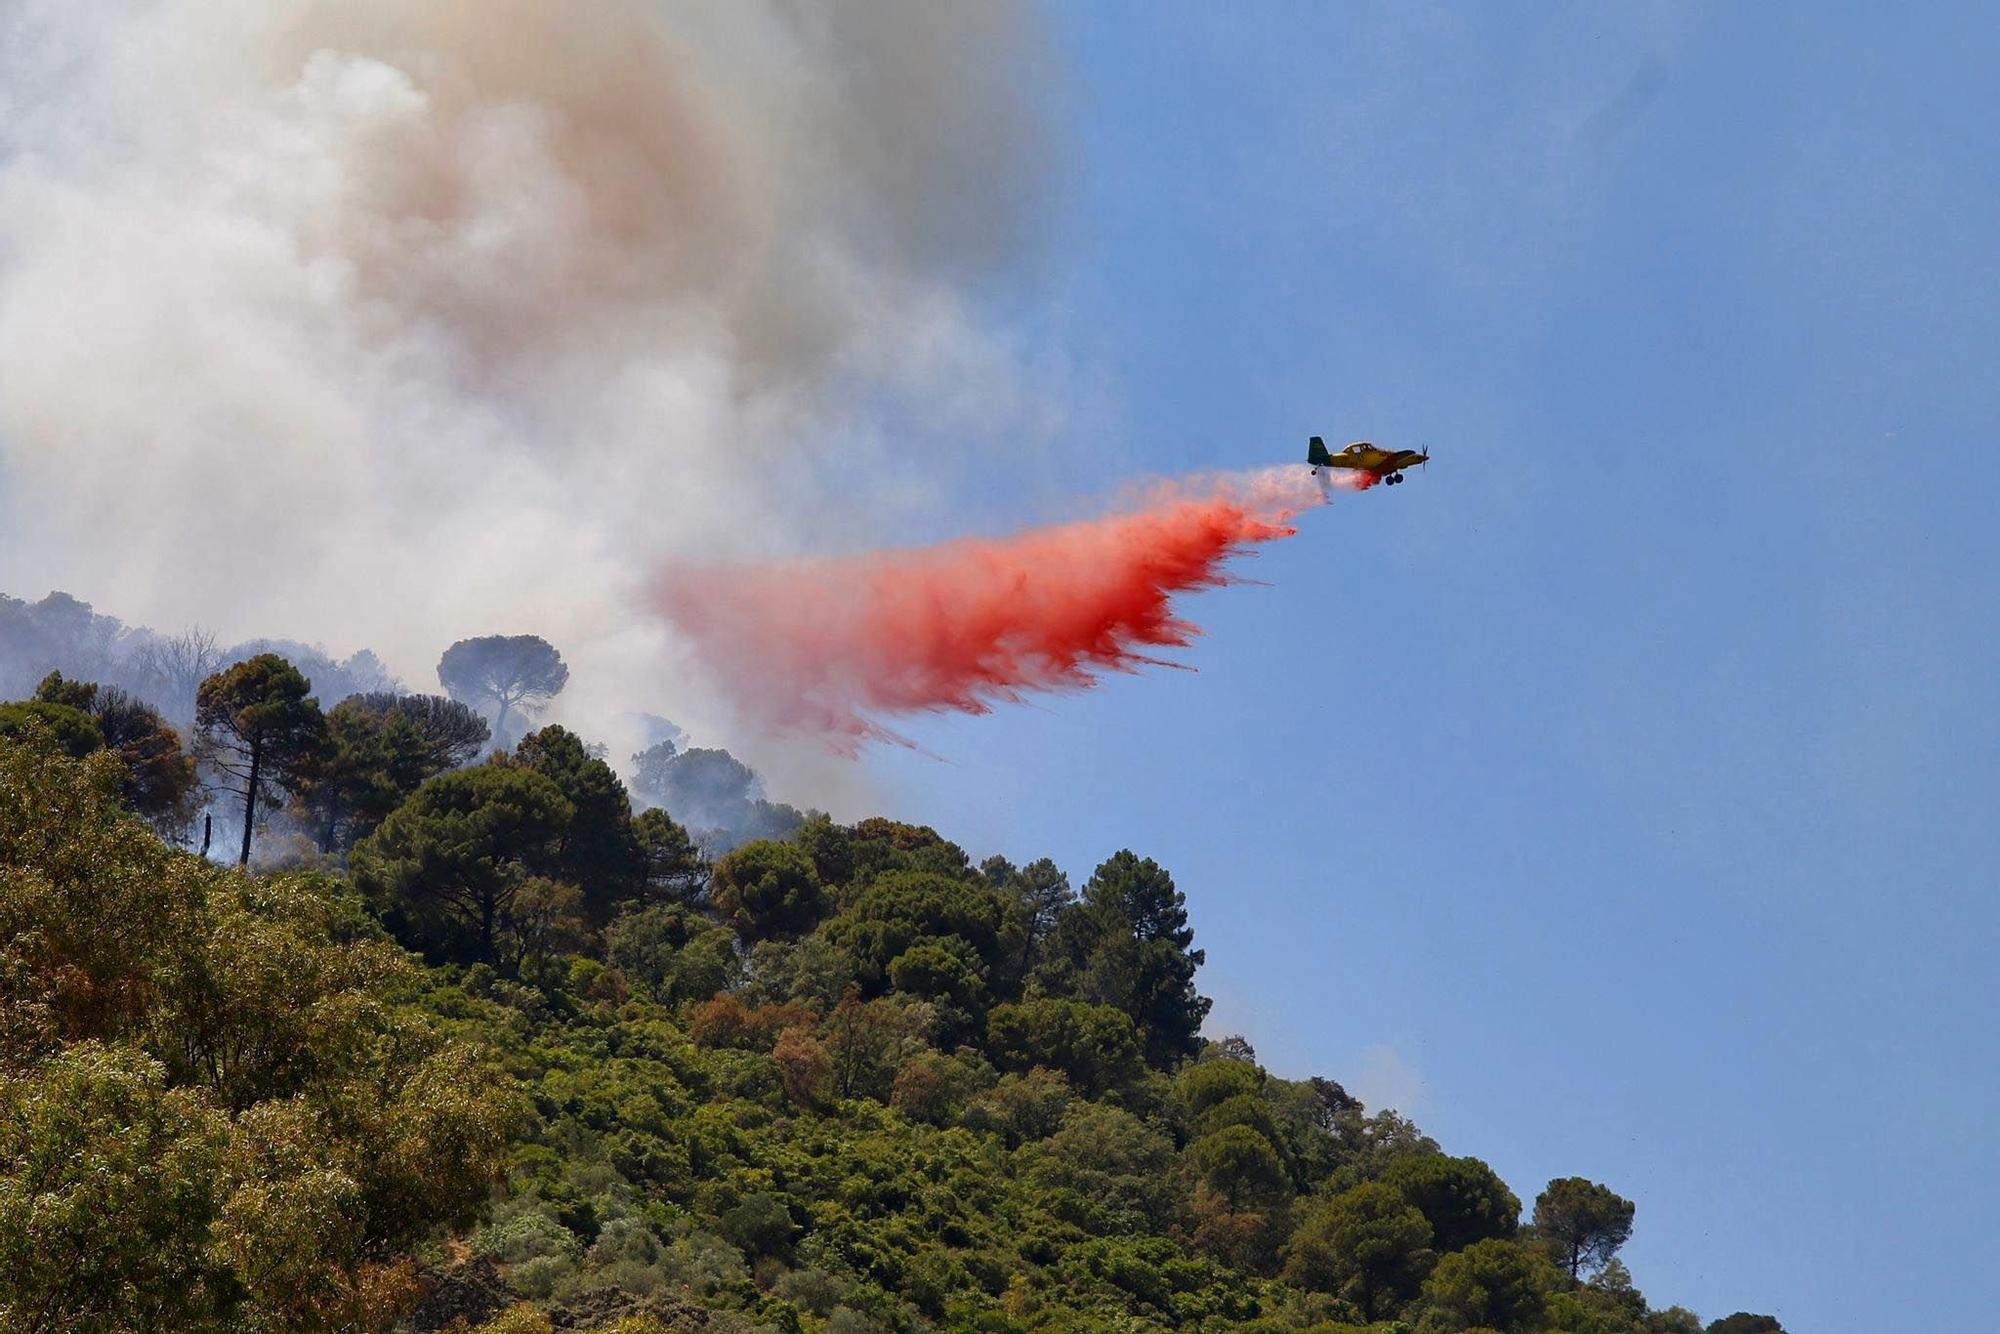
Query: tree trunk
[[250, 799]]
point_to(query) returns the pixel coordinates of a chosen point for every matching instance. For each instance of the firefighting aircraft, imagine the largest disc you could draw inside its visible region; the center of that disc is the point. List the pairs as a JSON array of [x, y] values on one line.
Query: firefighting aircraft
[[1385, 464]]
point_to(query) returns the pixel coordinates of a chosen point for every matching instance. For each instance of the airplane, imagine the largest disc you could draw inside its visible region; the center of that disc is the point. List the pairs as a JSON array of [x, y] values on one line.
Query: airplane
[[1383, 464]]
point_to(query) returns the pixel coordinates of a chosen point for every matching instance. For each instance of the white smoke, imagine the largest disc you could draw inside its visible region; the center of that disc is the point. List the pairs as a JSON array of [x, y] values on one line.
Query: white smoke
[[380, 323]]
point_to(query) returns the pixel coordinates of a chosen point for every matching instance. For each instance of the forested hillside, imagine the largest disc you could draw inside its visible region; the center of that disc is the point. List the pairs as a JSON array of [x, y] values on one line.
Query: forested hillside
[[489, 1050]]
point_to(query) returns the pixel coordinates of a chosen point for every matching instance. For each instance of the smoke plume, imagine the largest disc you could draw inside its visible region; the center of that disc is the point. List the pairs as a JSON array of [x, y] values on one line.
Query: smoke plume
[[827, 646], [373, 322]]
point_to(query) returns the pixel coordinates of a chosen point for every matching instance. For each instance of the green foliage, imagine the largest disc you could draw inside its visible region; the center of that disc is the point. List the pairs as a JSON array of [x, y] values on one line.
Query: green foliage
[[1324, 1129], [879, 846], [214, 1110], [1743, 1322], [79, 718], [765, 889], [1241, 1166], [1464, 1200], [109, 1186], [1582, 1223], [381, 749], [673, 953], [1241, 1110], [452, 861], [257, 725], [1039, 893], [256, 994], [90, 903], [67, 728], [1367, 1246], [161, 782], [671, 869], [1490, 1285], [599, 850], [902, 911], [1114, 1160], [1021, 1107], [235, 1102], [1127, 944], [1094, 1046], [78, 695], [504, 672], [452, 734], [1204, 1084], [1609, 1304]]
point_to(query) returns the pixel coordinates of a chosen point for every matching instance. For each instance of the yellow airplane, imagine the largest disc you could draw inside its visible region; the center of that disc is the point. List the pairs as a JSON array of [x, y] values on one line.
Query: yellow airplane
[[1384, 464]]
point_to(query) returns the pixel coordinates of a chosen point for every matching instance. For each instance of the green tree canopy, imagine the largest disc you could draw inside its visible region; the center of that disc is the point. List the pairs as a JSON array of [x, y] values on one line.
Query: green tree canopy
[[1492, 1285], [361, 775], [229, 1101], [1241, 1166], [212, 1113], [1128, 944], [79, 717], [451, 733], [64, 726], [1040, 893], [161, 780], [766, 889], [673, 952], [1114, 1159], [1582, 1222], [599, 851], [383, 747], [109, 1189], [1464, 1199], [1094, 1045], [1367, 1245], [258, 726], [1205, 1083], [453, 859], [1743, 1322], [672, 867], [508, 673], [903, 909]]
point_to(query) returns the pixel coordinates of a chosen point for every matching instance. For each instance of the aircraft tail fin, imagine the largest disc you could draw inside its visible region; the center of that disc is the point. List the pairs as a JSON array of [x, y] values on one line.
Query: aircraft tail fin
[[1316, 453]]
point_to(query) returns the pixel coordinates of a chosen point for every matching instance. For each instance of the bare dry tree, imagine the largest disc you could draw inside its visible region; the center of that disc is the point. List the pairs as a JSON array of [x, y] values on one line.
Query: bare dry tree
[[173, 668]]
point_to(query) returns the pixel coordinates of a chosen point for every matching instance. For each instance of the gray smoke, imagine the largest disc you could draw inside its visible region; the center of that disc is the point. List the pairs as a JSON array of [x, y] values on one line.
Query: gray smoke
[[385, 323], [715, 796]]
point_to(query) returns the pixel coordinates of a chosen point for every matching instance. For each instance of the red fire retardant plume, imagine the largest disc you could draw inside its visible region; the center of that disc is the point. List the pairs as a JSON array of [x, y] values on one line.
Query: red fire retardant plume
[[826, 645]]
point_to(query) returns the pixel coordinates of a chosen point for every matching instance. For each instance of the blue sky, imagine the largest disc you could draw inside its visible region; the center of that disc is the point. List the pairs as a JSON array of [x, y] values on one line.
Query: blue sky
[[1619, 793]]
